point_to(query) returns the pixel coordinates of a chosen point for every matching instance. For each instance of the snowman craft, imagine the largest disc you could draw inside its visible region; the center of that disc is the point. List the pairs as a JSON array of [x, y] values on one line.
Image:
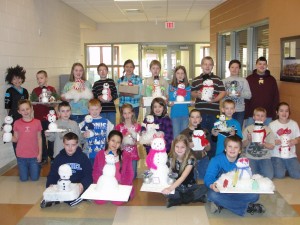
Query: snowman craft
[[243, 168], [259, 132], [64, 190], [199, 139], [233, 89], [157, 160], [52, 118], [78, 91], [151, 127], [44, 98], [284, 148], [221, 124], [7, 128], [181, 92], [207, 90], [106, 93], [87, 125], [156, 92]]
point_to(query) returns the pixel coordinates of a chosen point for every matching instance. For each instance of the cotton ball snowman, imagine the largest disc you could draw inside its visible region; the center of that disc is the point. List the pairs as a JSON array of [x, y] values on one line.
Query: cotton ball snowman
[[65, 172], [7, 128], [52, 118], [243, 168], [157, 160], [44, 98], [106, 93], [207, 90], [151, 128], [181, 92], [199, 139]]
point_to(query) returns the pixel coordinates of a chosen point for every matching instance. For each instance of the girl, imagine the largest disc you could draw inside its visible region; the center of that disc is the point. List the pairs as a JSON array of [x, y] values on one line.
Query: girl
[[129, 76], [79, 108], [237, 89], [182, 163], [27, 135], [130, 129], [108, 106], [223, 163], [41, 111], [288, 129], [179, 112], [159, 111], [124, 172]]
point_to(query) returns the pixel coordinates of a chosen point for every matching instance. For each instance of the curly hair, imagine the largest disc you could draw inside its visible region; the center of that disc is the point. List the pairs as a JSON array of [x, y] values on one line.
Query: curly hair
[[12, 72]]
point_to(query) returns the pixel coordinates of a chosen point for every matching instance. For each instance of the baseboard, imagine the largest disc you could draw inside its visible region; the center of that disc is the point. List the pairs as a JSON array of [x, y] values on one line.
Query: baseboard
[[8, 166]]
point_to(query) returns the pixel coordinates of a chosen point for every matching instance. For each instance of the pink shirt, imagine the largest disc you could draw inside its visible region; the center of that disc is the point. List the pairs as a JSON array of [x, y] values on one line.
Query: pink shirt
[[27, 145]]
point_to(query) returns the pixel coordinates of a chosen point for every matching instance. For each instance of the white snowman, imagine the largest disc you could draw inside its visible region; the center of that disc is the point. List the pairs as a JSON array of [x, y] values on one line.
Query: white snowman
[[65, 172], [157, 90], [181, 92], [106, 91], [52, 118], [151, 127], [207, 90], [199, 140], [157, 160], [7, 128], [284, 148], [243, 168], [259, 132], [44, 98]]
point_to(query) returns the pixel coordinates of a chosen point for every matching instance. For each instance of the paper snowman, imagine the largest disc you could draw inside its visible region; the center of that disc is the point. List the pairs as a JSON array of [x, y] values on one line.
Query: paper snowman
[[259, 132], [65, 172], [52, 118], [199, 140], [284, 148], [181, 92], [7, 128], [44, 96], [106, 93], [243, 168], [156, 92], [207, 90], [151, 127], [157, 160]]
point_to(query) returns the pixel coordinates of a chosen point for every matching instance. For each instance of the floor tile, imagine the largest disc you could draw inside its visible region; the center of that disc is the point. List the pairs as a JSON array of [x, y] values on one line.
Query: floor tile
[[289, 189]]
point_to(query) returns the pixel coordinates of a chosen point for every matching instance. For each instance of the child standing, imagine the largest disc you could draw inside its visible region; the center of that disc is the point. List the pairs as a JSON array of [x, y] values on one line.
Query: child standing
[[96, 138], [108, 106], [182, 163], [201, 156], [129, 129], [27, 135], [77, 76], [72, 155], [130, 77], [179, 112], [284, 127], [124, 172], [41, 111], [159, 111], [259, 154], [64, 122], [223, 163], [228, 108]]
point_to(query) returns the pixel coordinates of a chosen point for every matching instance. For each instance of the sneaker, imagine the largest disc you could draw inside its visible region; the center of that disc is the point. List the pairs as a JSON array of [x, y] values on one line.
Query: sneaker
[[202, 199], [215, 208], [173, 202], [45, 204], [255, 208]]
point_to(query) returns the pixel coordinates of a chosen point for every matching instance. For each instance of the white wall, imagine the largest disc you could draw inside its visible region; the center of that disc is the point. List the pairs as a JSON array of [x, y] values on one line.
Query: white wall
[[37, 34]]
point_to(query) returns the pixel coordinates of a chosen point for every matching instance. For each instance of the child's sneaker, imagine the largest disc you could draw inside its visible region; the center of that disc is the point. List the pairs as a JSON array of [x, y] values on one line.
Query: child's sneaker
[[215, 208], [45, 204], [255, 208]]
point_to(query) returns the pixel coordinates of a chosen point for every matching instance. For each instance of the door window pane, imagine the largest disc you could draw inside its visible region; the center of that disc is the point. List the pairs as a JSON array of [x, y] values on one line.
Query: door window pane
[[242, 51]]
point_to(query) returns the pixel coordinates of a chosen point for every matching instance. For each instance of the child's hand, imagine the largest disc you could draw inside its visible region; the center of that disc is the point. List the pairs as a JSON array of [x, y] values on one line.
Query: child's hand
[[249, 137], [171, 104], [80, 188], [167, 191], [277, 142], [39, 158], [86, 134], [192, 103], [191, 144], [292, 142], [232, 132], [215, 132], [214, 187], [199, 94]]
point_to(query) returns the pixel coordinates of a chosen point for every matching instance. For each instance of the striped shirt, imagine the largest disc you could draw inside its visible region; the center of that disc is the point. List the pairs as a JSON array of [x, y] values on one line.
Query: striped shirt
[[203, 106]]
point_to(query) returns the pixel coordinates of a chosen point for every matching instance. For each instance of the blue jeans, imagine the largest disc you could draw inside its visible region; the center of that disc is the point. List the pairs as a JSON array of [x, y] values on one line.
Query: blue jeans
[[263, 167], [250, 121], [239, 116], [208, 121], [111, 116], [236, 203], [77, 118], [134, 167], [179, 124], [291, 165], [28, 167], [201, 168]]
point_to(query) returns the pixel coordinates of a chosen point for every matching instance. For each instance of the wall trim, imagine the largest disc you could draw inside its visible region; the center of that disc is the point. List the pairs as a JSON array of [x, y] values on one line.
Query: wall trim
[[8, 166]]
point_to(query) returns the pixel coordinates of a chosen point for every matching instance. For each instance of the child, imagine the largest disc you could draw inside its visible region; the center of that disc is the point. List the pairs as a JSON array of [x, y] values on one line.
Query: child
[[96, 138], [223, 163], [159, 111], [259, 154], [81, 167], [124, 172], [182, 163], [179, 112], [201, 156], [280, 127], [264, 91], [237, 89], [41, 111], [64, 122], [27, 135], [80, 108], [228, 108], [129, 129], [108, 106], [132, 99]]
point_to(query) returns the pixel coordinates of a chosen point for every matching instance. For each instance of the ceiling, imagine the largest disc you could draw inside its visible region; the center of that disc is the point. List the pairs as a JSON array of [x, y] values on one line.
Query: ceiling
[[108, 11]]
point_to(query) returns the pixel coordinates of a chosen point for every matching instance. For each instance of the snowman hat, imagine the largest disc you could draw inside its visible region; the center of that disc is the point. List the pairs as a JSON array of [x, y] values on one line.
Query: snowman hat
[[258, 123], [198, 127]]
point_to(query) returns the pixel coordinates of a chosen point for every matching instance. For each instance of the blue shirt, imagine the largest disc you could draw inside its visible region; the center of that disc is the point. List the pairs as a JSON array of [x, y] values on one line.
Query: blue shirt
[[179, 110]]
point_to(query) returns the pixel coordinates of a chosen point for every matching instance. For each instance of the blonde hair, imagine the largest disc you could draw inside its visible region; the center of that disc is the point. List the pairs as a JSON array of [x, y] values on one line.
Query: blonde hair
[[128, 106], [155, 62], [187, 155], [94, 102], [259, 109], [72, 79], [43, 72], [228, 101], [207, 58]]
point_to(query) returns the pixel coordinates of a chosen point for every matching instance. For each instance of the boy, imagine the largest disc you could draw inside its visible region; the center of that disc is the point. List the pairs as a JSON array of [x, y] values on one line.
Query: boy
[[264, 91], [259, 154], [228, 108], [81, 167], [108, 106], [64, 122], [96, 138], [201, 156]]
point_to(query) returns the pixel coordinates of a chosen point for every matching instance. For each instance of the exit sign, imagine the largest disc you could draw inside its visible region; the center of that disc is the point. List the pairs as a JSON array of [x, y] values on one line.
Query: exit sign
[[169, 25]]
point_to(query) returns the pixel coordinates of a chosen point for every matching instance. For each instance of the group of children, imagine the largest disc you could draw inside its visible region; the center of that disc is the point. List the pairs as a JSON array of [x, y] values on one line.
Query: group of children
[[122, 139]]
